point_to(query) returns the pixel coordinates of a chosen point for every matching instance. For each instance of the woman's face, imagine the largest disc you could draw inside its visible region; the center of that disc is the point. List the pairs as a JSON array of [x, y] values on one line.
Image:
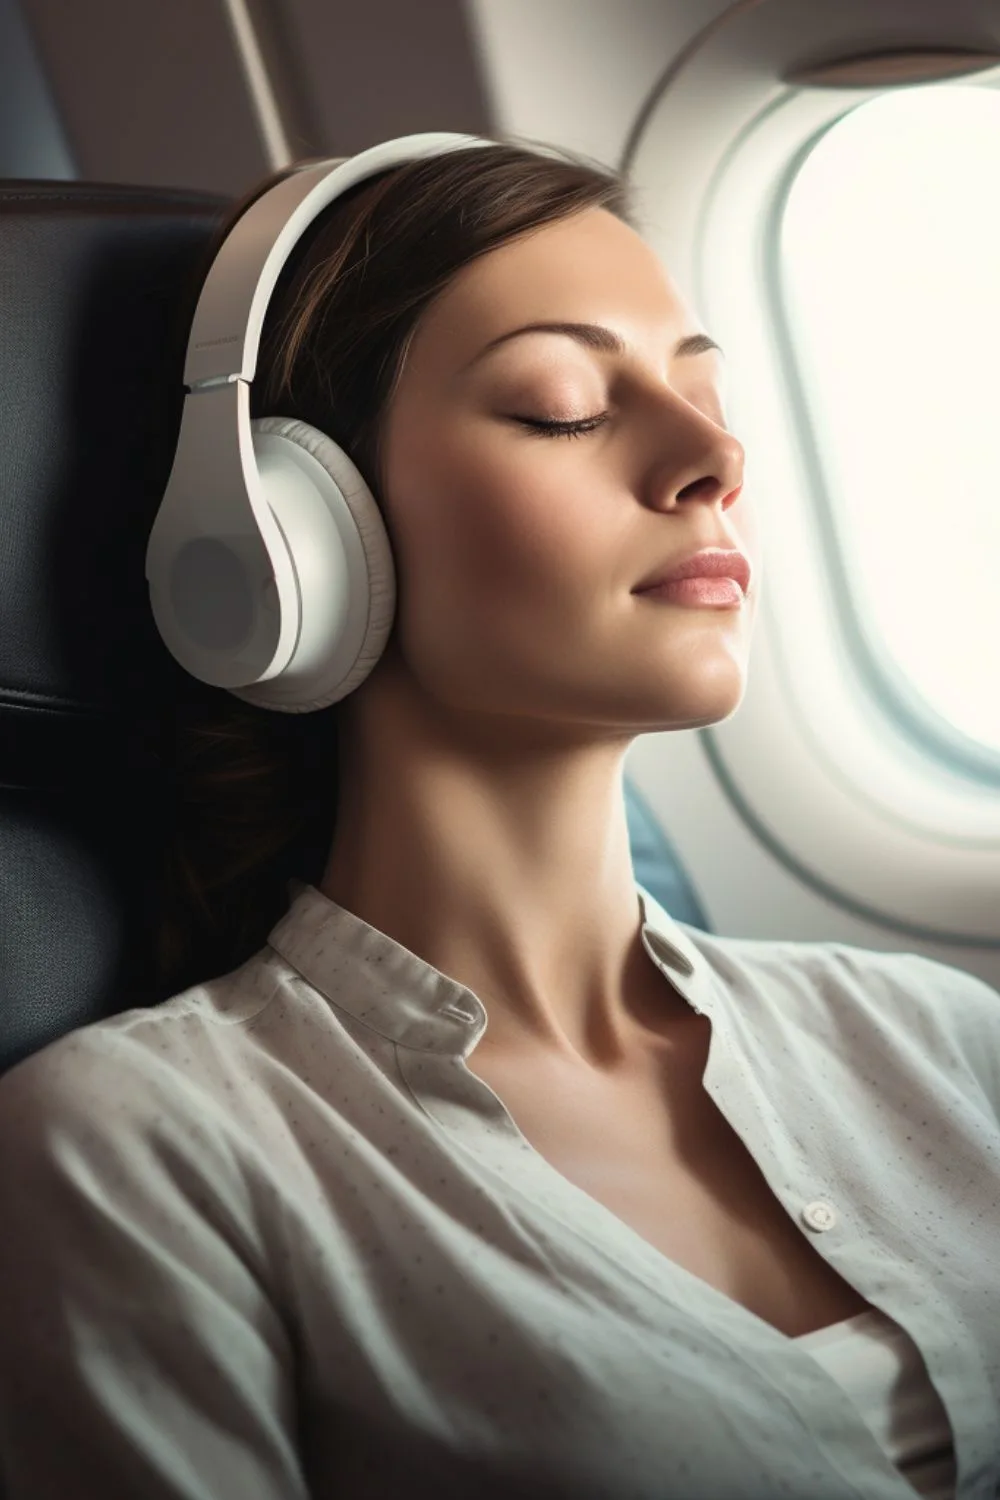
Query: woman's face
[[517, 553]]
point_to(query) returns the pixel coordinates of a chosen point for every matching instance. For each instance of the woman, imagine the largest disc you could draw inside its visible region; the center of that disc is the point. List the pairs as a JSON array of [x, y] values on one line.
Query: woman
[[473, 1173]]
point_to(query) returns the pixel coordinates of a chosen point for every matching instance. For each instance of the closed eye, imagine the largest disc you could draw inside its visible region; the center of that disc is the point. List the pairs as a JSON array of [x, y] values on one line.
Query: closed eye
[[564, 429]]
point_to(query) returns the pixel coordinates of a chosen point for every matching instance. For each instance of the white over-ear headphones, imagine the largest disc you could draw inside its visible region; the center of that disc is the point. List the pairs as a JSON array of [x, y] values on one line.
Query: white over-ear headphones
[[269, 566]]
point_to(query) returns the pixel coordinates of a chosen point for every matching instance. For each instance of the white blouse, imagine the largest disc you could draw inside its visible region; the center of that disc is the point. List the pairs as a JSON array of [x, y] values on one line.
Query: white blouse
[[275, 1240]]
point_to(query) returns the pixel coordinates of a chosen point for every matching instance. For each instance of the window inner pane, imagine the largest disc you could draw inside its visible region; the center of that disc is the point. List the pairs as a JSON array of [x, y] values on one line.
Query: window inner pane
[[890, 268]]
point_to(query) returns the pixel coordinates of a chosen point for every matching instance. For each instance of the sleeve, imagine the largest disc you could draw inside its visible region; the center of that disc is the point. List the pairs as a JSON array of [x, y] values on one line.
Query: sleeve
[[140, 1357]]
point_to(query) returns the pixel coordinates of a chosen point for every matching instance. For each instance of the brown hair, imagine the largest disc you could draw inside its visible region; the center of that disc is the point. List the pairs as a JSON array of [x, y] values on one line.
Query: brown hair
[[255, 791]]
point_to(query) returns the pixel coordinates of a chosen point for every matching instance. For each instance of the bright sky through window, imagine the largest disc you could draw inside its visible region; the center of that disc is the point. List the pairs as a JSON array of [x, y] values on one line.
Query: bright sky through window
[[890, 263]]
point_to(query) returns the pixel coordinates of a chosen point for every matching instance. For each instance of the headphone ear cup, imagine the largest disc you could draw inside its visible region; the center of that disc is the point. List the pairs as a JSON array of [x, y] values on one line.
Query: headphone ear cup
[[342, 560]]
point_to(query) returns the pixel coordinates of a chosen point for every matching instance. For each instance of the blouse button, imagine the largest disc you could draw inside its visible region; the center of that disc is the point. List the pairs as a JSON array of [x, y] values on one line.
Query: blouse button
[[819, 1215]]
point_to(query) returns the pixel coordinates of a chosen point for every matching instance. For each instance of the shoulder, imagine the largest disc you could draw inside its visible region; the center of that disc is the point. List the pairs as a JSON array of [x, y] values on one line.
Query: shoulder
[[881, 1002], [906, 985], [935, 997], [951, 1014], [140, 1064]]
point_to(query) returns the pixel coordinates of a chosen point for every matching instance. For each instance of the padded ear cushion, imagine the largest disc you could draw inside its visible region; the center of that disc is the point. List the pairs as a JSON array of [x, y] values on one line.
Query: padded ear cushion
[[342, 559]]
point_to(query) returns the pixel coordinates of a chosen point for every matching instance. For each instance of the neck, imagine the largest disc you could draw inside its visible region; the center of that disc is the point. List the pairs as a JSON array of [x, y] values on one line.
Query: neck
[[506, 868]]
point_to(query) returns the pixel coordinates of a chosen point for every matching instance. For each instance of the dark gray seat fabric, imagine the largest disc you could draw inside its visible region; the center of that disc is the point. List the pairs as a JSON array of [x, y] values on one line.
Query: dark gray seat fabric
[[97, 290]]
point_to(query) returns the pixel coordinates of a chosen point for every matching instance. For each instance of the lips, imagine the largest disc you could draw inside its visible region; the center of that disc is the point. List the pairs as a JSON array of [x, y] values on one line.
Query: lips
[[710, 562]]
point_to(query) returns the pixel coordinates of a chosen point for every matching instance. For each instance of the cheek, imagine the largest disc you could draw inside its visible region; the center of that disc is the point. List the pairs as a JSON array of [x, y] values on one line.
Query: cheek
[[485, 518]]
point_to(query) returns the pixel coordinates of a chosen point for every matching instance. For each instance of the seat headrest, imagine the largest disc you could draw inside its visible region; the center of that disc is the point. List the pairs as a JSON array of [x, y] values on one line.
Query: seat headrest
[[98, 286]]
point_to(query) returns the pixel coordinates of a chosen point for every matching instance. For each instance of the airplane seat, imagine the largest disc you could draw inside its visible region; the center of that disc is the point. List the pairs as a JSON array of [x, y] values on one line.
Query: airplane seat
[[98, 285]]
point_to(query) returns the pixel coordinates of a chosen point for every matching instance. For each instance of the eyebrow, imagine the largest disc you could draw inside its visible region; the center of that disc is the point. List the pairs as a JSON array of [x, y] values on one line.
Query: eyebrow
[[596, 336]]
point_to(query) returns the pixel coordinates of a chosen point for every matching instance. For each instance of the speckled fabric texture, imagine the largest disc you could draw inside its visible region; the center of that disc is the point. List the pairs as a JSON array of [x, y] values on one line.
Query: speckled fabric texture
[[274, 1240]]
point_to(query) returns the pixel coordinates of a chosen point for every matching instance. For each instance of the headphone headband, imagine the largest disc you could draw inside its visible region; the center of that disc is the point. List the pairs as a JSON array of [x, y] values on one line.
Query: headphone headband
[[225, 333]]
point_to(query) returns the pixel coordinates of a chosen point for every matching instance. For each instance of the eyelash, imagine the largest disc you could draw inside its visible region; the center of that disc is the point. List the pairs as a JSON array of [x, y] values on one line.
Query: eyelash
[[565, 429]]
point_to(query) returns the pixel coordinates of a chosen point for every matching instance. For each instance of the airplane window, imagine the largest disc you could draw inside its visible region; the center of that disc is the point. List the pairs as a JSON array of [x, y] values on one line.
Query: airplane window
[[888, 275]]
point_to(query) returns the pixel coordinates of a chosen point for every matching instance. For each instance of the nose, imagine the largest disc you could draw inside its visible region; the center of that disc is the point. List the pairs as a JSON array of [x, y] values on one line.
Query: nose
[[711, 468], [709, 488]]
